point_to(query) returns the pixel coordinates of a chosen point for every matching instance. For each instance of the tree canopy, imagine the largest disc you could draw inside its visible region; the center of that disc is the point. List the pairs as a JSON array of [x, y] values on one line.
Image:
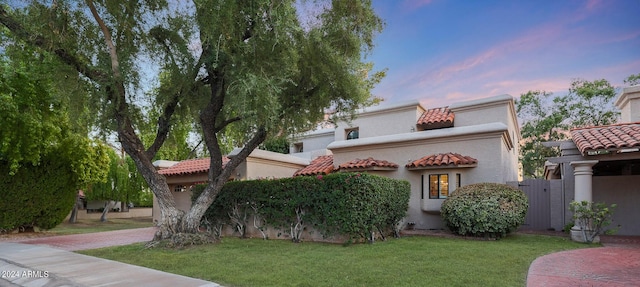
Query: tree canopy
[[548, 117], [45, 157], [239, 71], [633, 80]]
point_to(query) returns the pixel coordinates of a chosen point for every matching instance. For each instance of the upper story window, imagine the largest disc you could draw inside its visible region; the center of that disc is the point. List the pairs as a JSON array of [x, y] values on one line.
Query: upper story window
[[298, 147], [179, 188], [352, 133]]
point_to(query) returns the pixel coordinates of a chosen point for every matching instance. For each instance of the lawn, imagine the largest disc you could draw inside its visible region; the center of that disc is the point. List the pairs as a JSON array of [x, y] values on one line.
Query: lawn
[[410, 261], [94, 225]]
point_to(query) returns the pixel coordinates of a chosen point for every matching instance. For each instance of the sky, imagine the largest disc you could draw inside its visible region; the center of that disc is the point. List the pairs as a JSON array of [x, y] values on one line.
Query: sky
[[441, 51]]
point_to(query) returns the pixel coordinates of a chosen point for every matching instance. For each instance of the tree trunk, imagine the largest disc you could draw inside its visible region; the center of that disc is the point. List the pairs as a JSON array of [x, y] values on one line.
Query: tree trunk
[[191, 221], [107, 206], [74, 212]]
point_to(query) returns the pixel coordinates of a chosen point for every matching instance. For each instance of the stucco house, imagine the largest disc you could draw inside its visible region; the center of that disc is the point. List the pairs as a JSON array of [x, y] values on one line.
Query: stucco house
[[184, 175], [436, 149], [601, 164]]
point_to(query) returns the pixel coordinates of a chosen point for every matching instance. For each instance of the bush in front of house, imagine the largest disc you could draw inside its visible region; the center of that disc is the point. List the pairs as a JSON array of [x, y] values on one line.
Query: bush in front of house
[[489, 210], [357, 205], [36, 196]]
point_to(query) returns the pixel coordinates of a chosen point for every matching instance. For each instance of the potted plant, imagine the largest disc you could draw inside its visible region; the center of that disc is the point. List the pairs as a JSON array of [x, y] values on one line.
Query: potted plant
[[590, 220]]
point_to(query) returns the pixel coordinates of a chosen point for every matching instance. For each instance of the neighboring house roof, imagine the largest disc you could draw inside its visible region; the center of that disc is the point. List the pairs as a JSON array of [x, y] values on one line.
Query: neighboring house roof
[[320, 165], [191, 166], [443, 160], [618, 137], [437, 118], [368, 164]]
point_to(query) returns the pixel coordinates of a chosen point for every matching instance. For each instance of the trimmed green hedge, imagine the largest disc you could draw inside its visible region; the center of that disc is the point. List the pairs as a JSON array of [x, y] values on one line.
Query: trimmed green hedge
[[485, 210], [357, 205], [36, 196]]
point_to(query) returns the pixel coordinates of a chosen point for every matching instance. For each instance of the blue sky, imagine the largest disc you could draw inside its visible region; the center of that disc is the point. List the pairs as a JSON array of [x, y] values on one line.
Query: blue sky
[[440, 51]]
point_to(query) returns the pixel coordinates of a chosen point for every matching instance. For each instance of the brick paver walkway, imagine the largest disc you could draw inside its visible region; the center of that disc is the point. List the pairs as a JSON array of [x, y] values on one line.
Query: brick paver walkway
[[615, 264], [94, 240]]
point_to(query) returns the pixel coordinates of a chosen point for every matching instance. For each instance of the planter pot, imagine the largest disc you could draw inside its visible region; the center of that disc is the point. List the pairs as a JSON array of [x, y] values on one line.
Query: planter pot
[[578, 235]]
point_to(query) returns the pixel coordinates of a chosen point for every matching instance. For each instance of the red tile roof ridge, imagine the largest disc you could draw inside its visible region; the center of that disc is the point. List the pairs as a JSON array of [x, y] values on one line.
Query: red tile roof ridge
[[320, 165], [442, 159], [367, 163], [441, 115], [605, 126], [618, 136], [191, 166]]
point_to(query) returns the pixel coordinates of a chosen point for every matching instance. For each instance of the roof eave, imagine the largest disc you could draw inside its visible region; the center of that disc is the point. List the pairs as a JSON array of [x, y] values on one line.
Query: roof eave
[[448, 166], [372, 168]]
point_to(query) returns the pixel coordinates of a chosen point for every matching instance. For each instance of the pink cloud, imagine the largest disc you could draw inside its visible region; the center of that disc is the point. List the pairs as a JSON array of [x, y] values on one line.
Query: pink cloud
[[593, 4], [546, 57]]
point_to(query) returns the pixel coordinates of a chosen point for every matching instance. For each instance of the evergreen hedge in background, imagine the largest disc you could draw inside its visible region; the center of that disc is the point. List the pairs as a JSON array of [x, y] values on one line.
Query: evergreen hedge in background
[[36, 196], [356, 205]]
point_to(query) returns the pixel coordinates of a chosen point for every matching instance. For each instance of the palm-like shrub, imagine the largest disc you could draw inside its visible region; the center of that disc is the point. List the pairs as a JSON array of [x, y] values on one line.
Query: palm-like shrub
[[485, 210]]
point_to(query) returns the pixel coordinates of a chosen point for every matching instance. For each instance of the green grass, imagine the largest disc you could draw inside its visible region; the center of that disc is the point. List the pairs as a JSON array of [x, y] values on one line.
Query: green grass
[[94, 225], [410, 261]]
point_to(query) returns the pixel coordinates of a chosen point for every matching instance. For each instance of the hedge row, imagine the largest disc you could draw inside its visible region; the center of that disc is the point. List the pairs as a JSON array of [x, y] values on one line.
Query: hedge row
[[356, 205], [36, 196]]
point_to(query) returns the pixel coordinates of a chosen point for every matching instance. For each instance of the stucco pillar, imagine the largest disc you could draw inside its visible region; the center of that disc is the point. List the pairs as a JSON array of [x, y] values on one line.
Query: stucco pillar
[[583, 172]]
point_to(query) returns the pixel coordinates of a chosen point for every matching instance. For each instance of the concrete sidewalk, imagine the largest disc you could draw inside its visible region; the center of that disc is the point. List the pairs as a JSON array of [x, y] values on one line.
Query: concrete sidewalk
[[35, 265]]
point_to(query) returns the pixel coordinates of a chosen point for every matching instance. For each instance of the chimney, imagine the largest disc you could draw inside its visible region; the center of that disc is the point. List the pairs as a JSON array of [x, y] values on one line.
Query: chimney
[[629, 104]]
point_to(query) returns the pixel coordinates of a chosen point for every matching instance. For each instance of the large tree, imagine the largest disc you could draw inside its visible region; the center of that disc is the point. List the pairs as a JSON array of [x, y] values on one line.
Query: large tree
[[241, 70], [547, 117]]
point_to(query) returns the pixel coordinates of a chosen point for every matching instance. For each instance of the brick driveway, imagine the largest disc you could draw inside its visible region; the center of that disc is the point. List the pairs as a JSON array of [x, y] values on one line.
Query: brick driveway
[[93, 240], [615, 264]]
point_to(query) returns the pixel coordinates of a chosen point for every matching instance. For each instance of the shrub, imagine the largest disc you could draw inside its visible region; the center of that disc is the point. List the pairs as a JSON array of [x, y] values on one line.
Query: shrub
[[591, 218], [36, 196], [485, 210], [352, 204]]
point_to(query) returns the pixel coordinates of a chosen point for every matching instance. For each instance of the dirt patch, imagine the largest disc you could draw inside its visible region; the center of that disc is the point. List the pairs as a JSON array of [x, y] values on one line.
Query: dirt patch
[[24, 235]]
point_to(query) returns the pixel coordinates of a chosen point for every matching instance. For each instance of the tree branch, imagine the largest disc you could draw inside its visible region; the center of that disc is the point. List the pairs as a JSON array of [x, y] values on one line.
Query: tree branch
[[164, 121], [39, 41], [224, 124], [164, 126], [254, 142], [115, 64]]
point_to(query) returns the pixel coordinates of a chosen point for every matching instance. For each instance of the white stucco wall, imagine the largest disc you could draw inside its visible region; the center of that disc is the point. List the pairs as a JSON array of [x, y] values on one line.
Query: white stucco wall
[[383, 120], [312, 141], [629, 104]]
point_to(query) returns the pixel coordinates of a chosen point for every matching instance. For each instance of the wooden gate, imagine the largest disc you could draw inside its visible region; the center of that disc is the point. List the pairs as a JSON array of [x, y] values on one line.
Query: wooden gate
[[538, 192]]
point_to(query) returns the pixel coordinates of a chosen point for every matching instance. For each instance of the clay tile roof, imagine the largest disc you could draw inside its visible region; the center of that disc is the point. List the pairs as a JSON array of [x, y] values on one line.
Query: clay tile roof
[[437, 118], [443, 160], [191, 166], [369, 163], [320, 165], [613, 137]]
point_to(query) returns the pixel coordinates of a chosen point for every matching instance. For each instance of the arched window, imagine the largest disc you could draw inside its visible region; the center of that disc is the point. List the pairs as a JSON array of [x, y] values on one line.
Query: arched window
[[353, 134]]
